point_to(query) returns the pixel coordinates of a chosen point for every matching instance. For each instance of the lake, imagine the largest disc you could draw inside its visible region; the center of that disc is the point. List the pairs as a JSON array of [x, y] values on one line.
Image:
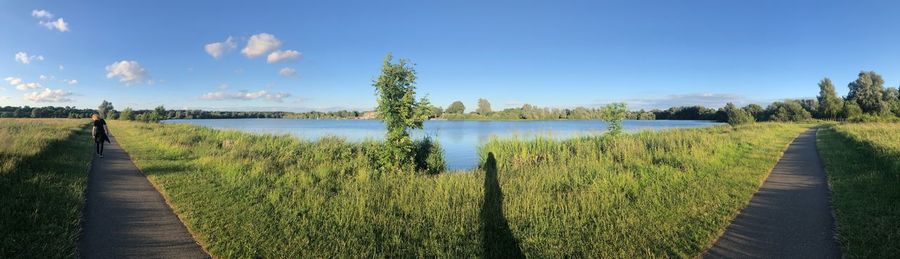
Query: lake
[[459, 139]]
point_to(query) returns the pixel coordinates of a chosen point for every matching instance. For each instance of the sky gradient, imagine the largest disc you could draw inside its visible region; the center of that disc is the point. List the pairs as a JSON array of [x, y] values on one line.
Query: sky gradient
[[650, 54]]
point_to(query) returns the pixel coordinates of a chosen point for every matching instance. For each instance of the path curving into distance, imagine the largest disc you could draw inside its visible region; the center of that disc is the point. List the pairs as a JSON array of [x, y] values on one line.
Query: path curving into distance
[[125, 217], [790, 216]]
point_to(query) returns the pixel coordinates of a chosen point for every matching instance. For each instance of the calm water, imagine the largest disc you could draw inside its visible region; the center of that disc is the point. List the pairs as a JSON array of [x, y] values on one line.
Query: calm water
[[459, 139]]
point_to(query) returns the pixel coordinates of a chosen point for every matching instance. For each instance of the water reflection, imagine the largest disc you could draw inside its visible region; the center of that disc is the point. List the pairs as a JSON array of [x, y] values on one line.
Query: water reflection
[[459, 139]]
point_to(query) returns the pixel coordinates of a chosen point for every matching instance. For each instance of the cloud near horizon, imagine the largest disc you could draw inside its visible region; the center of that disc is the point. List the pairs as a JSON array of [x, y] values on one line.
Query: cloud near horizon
[[21, 85], [128, 71], [245, 96], [49, 95]]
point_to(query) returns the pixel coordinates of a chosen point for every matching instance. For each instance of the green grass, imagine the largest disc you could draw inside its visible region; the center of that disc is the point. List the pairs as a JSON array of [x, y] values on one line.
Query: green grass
[[648, 194], [863, 164], [44, 165]]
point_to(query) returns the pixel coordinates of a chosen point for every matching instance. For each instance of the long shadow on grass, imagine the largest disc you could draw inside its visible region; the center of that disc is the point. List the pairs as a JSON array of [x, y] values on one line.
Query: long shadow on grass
[[42, 197], [497, 241]]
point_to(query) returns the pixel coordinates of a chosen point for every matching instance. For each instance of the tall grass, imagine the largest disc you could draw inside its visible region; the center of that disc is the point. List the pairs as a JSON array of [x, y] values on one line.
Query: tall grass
[[647, 194], [43, 173], [863, 164]]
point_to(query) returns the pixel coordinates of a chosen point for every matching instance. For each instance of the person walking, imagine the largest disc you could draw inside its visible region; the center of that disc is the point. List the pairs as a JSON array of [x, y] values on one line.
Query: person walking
[[100, 133]]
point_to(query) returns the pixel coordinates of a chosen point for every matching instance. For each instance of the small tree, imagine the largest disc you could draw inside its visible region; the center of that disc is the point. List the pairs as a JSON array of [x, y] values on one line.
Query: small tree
[[484, 107], [851, 110], [127, 114], [614, 114], [158, 114], [830, 105], [456, 107], [737, 116], [400, 111], [867, 92], [105, 109]]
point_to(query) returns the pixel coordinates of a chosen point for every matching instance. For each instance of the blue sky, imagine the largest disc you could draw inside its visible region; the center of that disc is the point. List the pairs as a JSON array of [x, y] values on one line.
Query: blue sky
[[549, 53]]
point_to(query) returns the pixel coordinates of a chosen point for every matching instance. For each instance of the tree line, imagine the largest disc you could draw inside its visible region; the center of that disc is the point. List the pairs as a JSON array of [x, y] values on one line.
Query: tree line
[[867, 100]]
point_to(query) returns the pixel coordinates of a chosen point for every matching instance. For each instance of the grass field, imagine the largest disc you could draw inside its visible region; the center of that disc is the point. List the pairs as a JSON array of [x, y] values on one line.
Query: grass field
[[863, 164], [44, 165], [646, 194]]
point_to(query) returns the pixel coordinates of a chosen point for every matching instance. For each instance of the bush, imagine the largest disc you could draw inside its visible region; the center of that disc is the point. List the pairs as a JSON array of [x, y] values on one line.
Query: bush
[[737, 116]]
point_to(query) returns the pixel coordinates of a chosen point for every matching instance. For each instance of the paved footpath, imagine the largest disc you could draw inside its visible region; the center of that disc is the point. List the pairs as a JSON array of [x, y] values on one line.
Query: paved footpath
[[790, 216], [125, 217]]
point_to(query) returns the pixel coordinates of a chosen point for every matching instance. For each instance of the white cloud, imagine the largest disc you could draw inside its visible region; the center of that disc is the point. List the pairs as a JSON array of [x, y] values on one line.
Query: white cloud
[[45, 77], [13, 80], [61, 67], [49, 95], [24, 58], [59, 24], [287, 72], [245, 95], [217, 49], [26, 86], [4, 98], [260, 44], [128, 71], [280, 55], [71, 82], [41, 14], [21, 85]]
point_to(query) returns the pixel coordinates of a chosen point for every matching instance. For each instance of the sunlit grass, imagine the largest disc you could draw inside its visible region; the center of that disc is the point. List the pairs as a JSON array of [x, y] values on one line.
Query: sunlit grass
[[646, 194], [43, 173], [863, 164]]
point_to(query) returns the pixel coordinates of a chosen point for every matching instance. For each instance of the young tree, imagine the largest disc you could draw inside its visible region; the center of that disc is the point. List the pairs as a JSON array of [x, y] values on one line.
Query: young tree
[[614, 115], [851, 110], [892, 99], [867, 92], [456, 107], [830, 105], [484, 107], [400, 111], [127, 114], [789, 110], [105, 109], [737, 116], [756, 111]]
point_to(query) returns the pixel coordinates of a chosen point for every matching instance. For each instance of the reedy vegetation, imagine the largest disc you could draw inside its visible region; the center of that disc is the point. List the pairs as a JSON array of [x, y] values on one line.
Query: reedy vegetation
[[646, 194], [863, 171], [43, 174]]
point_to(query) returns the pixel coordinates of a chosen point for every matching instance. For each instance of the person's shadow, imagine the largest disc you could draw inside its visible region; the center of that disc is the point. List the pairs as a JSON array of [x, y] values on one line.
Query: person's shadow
[[497, 241]]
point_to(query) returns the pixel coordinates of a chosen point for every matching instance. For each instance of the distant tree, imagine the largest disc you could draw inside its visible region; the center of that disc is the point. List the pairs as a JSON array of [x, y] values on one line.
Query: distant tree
[[614, 115], [756, 111], [126, 114], [436, 112], [830, 105], [789, 110], [851, 110], [484, 107], [105, 109], [456, 107], [891, 98], [867, 92], [398, 108], [644, 115], [737, 116], [159, 113], [811, 106]]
